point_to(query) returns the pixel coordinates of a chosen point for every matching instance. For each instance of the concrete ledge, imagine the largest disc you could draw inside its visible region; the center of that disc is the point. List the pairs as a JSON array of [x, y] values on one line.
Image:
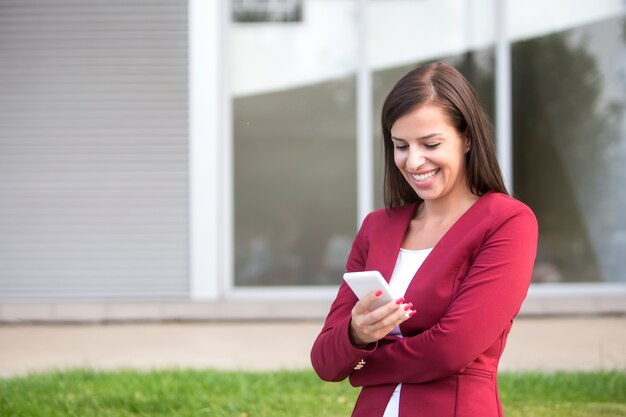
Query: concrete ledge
[[573, 299], [120, 311], [535, 344], [138, 310], [542, 300]]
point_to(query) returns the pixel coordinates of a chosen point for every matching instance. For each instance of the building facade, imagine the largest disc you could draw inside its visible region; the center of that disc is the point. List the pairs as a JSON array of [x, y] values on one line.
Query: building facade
[[213, 159]]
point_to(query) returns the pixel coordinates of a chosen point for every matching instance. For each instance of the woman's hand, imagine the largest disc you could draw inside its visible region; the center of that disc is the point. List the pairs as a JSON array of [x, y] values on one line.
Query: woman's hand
[[370, 326]]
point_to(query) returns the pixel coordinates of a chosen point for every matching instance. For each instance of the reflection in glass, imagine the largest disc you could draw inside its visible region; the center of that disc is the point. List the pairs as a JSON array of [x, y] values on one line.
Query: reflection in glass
[[569, 129], [295, 185], [267, 10], [294, 134]]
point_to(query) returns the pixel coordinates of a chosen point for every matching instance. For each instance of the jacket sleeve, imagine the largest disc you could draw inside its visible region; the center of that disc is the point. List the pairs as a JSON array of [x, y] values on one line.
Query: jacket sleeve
[[482, 308], [333, 356]]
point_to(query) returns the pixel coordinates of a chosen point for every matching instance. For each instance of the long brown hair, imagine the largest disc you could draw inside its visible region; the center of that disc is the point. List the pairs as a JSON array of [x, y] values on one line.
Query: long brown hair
[[444, 85]]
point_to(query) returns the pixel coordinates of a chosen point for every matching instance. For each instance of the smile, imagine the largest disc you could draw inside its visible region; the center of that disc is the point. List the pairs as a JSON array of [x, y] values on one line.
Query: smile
[[426, 176]]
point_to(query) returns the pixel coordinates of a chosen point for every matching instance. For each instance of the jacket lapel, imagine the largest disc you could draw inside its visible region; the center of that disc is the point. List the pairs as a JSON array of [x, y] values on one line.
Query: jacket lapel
[[393, 236]]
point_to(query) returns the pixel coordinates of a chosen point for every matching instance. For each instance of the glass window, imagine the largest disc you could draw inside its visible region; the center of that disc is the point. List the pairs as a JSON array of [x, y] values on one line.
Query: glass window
[[569, 130], [294, 111]]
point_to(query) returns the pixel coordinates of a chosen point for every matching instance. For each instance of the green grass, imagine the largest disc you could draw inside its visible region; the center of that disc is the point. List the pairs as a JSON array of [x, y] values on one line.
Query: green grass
[[277, 394], [564, 394]]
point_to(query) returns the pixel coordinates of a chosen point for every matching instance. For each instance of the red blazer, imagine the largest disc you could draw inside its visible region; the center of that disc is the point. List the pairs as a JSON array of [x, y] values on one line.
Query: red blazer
[[466, 294]]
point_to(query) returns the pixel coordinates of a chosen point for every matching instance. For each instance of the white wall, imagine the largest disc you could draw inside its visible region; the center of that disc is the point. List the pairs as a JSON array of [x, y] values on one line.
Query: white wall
[[401, 32]]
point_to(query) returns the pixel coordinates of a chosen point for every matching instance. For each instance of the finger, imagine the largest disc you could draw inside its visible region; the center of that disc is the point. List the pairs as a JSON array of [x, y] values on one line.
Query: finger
[[368, 322], [377, 330], [363, 306], [406, 312], [385, 310], [397, 316]]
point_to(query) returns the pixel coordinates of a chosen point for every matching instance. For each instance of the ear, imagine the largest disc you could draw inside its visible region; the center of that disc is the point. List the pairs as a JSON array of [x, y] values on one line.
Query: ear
[[467, 144]]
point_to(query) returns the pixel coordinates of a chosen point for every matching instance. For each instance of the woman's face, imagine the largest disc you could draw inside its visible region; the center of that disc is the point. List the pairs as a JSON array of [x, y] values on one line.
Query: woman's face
[[430, 153]]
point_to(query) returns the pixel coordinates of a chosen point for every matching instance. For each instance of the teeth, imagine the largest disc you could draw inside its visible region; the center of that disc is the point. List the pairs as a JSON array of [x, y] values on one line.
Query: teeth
[[425, 177]]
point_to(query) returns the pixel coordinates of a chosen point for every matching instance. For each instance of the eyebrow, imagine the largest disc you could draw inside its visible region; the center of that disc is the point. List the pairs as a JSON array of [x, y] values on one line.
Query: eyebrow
[[430, 135]]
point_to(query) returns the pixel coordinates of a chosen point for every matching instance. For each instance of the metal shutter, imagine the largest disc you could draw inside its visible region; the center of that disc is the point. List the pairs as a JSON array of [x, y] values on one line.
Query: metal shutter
[[93, 148]]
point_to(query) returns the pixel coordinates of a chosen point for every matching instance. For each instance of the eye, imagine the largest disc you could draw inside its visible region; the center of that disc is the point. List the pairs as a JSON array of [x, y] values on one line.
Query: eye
[[402, 147], [431, 145]]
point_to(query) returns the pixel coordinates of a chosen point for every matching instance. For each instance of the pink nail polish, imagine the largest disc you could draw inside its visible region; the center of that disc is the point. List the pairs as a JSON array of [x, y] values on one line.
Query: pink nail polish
[[408, 306], [400, 300], [412, 313], [378, 293]]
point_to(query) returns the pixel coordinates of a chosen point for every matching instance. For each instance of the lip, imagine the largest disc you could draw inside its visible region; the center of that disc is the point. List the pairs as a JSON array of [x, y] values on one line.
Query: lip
[[424, 183], [423, 171]]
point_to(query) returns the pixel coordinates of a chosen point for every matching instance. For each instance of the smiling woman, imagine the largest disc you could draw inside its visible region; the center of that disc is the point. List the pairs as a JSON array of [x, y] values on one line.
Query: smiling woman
[[433, 163], [451, 241], [438, 101]]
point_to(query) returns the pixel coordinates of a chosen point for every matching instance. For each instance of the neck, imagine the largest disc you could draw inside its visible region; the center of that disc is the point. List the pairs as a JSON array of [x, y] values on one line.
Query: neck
[[447, 209]]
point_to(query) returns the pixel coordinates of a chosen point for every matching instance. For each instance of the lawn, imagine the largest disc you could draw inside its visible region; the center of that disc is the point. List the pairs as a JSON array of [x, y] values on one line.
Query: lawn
[[277, 394]]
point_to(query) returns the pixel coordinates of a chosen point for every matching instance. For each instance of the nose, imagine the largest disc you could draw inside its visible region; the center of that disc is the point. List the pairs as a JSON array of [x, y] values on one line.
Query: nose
[[415, 159]]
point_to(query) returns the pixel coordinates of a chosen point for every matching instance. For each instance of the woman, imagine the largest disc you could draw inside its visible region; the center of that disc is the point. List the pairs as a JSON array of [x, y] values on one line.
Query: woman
[[453, 242]]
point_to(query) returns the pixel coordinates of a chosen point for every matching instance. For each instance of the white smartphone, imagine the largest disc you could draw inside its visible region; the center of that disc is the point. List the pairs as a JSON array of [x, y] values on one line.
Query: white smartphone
[[363, 283]]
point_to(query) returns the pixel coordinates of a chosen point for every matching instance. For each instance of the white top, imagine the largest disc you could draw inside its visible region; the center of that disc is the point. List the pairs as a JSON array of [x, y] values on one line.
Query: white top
[[409, 261]]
